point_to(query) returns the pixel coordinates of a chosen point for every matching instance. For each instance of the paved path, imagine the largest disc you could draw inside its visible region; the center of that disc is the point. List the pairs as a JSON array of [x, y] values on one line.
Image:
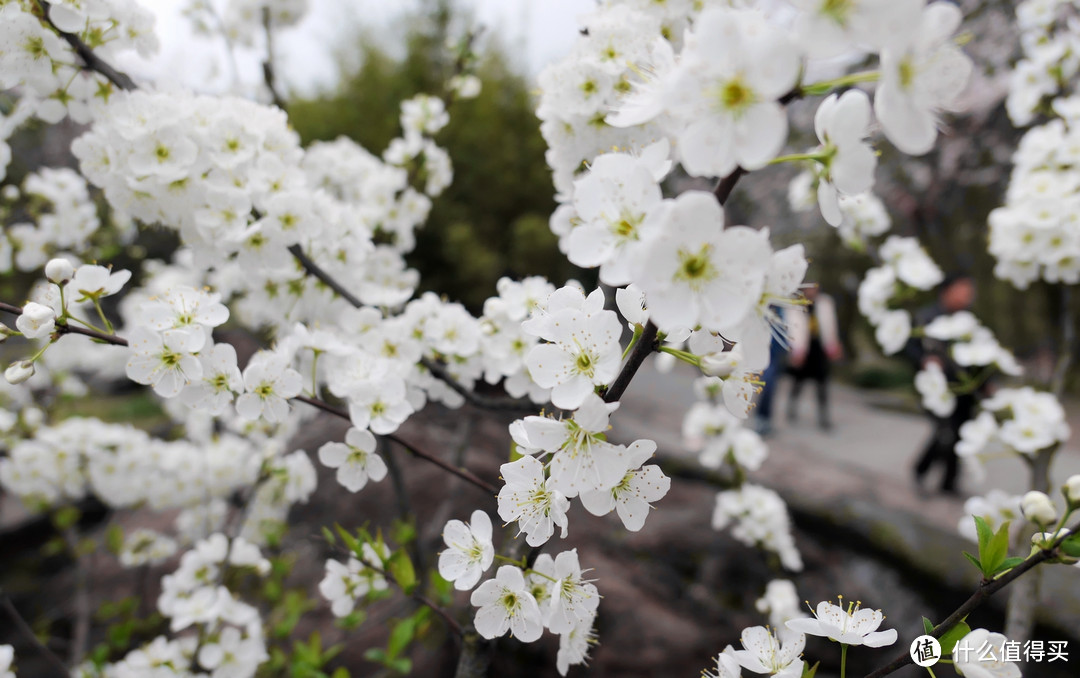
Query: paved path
[[870, 434]]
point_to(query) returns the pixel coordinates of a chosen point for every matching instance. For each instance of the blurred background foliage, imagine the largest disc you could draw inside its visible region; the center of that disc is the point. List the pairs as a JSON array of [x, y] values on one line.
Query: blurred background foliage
[[493, 219]]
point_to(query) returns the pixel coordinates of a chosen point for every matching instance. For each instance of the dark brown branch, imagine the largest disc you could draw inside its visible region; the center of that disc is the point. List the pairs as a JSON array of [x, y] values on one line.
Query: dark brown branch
[[268, 65], [451, 623], [481, 401], [646, 345], [440, 373], [727, 184], [90, 60], [59, 669], [67, 328], [462, 473], [986, 589]]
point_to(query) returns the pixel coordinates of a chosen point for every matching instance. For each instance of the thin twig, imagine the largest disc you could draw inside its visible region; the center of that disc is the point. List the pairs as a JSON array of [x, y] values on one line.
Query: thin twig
[[57, 663], [67, 328], [459, 472], [986, 589], [462, 473], [646, 345], [268, 65], [416, 595], [91, 61]]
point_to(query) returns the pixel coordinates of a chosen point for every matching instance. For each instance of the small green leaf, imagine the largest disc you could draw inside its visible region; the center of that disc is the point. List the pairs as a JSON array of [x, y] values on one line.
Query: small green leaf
[[328, 536], [114, 539], [350, 541], [375, 654], [401, 568], [810, 671], [341, 672], [974, 561], [1008, 564], [404, 531], [514, 454], [927, 625], [400, 637], [66, 517], [997, 549], [351, 620], [1071, 546], [950, 638], [984, 532], [402, 665]]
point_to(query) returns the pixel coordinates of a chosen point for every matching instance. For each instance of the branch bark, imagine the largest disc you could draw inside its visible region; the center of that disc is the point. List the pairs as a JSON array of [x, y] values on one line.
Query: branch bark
[[58, 668], [90, 60], [986, 589]]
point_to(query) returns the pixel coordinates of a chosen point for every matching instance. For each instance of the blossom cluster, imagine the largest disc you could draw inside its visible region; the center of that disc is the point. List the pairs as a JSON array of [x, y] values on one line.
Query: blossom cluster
[[1033, 235], [1019, 420], [46, 66]]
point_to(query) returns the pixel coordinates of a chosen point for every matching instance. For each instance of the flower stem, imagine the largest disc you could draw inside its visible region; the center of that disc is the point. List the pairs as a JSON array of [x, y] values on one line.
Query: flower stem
[[826, 86], [796, 157], [684, 356], [101, 314], [638, 329], [931, 672], [843, 660]]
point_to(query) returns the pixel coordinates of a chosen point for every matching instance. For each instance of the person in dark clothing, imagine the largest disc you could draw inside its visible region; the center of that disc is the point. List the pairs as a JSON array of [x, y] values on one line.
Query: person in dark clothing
[[814, 344], [957, 293]]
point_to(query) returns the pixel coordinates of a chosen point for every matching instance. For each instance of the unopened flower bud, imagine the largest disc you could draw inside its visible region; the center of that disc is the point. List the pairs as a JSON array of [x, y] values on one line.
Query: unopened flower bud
[[59, 271], [721, 364], [37, 320], [6, 332], [1072, 490], [1038, 508], [19, 371]]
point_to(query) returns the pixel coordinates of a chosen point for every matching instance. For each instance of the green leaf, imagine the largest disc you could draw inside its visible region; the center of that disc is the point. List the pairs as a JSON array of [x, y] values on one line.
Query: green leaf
[[351, 620], [328, 536], [984, 532], [1008, 564], [927, 625], [997, 549], [114, 539], [400, 637], [341, 672], [402, 665], [350, 541], [810, 671], [66, 517], [404, 531], [950, 638], [974, 561], [401, 568], [375, 654], [1071, 546]]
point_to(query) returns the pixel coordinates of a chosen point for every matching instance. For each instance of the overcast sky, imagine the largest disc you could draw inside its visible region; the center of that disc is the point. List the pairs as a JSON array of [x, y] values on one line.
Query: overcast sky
[[540, 31]]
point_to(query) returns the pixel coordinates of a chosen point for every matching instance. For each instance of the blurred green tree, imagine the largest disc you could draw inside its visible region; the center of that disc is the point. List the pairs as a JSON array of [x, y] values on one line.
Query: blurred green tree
[[492, 221]]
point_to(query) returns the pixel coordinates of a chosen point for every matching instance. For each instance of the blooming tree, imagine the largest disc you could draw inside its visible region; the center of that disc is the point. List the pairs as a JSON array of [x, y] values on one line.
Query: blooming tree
[[305, 247]]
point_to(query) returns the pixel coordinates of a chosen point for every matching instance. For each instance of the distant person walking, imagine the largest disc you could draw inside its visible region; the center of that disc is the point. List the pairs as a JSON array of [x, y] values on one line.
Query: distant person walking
[[814, 344], [957, 293], [777, 362]]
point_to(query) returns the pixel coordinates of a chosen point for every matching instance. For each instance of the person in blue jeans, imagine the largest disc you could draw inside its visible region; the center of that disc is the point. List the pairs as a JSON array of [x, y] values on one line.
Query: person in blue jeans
[[777, 364]]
